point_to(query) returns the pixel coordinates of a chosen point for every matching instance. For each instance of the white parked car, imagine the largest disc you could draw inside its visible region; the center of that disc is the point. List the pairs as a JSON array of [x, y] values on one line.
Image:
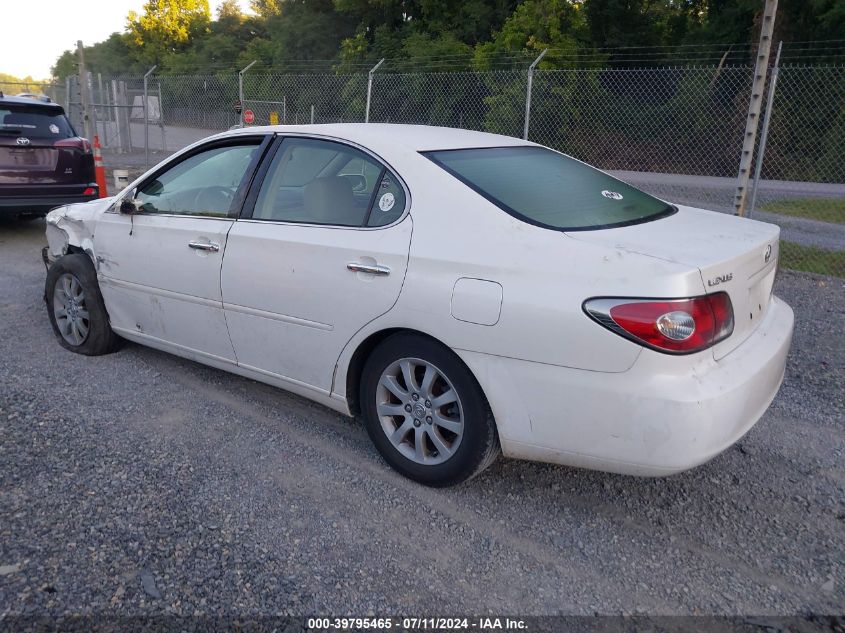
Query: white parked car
[[462, 292]]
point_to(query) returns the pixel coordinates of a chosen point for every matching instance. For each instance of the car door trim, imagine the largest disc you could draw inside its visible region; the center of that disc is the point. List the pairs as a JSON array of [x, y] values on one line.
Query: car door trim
[[275, 316], [169, 294]]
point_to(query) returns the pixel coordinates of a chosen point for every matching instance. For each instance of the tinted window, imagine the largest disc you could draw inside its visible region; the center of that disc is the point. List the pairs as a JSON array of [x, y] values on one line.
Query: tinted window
[[204, 184], [322, 182], [550, 189], [34, 122]]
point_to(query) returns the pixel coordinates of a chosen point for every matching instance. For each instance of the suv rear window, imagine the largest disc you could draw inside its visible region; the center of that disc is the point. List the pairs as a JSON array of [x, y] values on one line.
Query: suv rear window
[[543, 187], [34, 122]]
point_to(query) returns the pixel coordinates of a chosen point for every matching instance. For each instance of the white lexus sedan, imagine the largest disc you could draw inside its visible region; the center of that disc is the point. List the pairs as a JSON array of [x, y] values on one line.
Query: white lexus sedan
[[463, 293]]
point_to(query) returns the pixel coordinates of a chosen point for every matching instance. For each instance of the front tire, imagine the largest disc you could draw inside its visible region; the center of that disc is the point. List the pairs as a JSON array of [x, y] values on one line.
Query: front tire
[[76, 309], [426, 413]]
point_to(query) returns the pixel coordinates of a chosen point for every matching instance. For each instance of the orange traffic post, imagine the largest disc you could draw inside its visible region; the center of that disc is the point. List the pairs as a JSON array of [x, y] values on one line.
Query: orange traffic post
[[99, 170]]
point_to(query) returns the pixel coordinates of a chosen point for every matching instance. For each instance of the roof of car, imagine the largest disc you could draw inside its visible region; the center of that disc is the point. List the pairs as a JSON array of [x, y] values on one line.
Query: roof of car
[[29, 101], [392, 136]]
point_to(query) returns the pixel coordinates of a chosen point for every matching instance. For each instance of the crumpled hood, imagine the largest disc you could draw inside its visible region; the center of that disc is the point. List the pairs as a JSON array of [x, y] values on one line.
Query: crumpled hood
[[81, 212]]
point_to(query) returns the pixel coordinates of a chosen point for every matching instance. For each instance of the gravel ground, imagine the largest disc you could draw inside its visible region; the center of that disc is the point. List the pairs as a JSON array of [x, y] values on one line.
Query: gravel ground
[[139, 483]]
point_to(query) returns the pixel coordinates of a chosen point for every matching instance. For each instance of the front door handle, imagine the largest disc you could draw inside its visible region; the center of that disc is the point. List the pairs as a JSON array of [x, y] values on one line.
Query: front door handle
[[373, 269], [204, 246]]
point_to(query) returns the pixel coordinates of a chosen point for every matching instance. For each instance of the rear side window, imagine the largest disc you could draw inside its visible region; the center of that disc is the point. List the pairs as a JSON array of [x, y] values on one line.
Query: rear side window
[[549, 189], [34, 122], [314, 181]]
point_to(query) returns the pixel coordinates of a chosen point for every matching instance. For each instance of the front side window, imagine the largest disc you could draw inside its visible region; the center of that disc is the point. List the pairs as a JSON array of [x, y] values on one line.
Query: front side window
[[204, 184], [549, 189], [322, 182]]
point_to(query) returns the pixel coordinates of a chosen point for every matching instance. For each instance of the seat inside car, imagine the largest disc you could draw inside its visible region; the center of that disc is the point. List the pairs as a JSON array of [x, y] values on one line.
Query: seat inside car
[[329, 200]]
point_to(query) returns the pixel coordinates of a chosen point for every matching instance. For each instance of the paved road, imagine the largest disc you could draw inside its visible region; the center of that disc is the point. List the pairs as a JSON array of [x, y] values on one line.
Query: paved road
[[140, 483]]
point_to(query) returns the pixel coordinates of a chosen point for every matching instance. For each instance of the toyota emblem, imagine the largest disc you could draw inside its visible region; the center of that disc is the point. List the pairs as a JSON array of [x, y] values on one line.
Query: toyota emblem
[[768, 255], [22, 141]]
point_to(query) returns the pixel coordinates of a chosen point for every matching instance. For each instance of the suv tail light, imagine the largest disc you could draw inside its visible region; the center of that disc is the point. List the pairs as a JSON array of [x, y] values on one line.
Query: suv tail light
[[674, 326], [77, 143]]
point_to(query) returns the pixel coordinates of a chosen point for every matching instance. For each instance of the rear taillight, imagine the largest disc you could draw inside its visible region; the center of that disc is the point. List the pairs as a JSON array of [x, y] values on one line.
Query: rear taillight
[[675, 326], [76, 143]]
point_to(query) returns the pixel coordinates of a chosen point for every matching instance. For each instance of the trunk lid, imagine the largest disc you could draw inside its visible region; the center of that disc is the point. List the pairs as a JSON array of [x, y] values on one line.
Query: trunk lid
[[734, 255]]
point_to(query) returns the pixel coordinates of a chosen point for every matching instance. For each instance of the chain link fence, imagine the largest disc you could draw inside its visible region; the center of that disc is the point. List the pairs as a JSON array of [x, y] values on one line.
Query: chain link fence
[[301, 99], [55, 91], [675, 132], [492, 102], [802, 184]]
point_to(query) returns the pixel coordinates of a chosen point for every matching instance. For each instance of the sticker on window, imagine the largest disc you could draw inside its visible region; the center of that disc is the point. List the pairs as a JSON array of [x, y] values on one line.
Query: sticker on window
[[54, 128], [386, 202], [611, 194]]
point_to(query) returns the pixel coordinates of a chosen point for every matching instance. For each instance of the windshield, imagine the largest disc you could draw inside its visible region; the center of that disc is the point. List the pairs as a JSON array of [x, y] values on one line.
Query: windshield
[[34, 122], [543, 187]]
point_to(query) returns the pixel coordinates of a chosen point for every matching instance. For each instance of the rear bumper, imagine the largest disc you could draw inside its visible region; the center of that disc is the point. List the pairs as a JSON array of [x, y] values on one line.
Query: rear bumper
[[42, 204], [662, 416]]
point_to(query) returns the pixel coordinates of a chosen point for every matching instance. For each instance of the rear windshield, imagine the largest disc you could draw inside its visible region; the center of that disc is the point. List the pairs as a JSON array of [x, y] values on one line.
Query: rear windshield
[[34, 122], [549, 189]]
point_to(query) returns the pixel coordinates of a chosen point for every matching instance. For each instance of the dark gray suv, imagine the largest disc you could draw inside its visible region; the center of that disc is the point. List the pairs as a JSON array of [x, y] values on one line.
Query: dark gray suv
[[43, 162]]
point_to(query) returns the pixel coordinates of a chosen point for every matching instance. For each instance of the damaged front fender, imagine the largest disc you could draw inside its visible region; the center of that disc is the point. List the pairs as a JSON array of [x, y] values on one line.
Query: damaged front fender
[[71, 228]]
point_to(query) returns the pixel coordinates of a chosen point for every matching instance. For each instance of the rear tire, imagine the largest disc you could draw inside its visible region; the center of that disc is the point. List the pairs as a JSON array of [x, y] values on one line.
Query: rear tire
[[425, 412], [76, 309]]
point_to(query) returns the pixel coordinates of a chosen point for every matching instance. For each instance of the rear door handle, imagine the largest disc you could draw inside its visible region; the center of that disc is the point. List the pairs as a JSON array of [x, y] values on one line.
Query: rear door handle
[[373, 269], [204, 246]]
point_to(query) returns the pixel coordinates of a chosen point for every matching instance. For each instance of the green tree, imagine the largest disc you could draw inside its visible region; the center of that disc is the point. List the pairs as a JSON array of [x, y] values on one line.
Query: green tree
[[167, 27], [307, 30], [641, 23], [471, 21], [538, 24], [266, 8], [65, 65]]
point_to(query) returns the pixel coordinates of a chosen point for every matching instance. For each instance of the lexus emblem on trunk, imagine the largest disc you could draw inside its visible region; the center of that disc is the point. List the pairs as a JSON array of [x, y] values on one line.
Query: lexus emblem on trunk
[[22, 141], [768, 254]]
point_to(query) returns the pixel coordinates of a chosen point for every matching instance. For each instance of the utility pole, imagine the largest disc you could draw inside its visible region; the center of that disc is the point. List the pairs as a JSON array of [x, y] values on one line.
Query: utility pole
[[755, 105], [84, 95]]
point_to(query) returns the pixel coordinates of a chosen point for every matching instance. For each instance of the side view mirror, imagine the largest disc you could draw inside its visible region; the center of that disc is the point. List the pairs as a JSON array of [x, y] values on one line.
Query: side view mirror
[[128, 206]]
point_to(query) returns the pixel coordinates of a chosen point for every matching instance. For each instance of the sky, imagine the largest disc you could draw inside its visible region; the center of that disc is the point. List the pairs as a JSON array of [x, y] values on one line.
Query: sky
[[54, 26]]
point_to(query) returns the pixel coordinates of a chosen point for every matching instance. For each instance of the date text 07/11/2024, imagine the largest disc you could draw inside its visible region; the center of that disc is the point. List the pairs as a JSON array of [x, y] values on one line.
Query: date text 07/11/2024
[[417, 624]]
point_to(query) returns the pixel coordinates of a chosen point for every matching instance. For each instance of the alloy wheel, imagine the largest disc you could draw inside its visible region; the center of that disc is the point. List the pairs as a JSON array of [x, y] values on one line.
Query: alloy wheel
[[70, 310], [420, 411]]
